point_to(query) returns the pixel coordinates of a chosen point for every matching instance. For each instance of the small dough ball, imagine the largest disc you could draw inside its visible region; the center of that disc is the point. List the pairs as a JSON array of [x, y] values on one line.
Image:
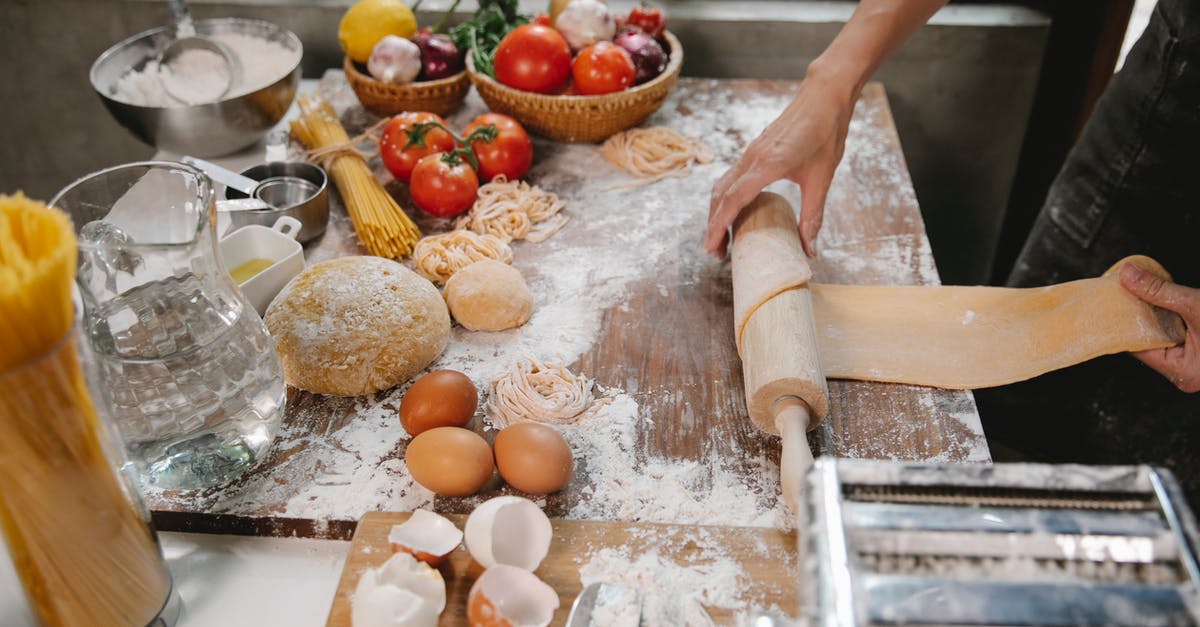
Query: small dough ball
[[356, 325], [489, 296], [533, 458]]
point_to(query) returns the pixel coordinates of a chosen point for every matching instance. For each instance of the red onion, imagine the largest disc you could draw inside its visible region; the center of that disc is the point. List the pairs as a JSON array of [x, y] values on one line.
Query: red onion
[[649, 58], [439, 56]]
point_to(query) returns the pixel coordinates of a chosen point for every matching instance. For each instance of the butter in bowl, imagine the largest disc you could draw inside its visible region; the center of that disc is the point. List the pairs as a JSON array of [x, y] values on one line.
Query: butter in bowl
[[262, 259]]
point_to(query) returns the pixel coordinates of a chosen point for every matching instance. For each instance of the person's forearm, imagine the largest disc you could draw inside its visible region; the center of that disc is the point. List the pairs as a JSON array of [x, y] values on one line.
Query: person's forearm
[[876, 28]]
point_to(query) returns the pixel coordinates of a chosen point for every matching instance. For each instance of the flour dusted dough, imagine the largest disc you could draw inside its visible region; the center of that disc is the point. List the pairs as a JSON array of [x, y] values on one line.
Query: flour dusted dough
[[768, 258], [489, 296], [943, 336], [357, 325]]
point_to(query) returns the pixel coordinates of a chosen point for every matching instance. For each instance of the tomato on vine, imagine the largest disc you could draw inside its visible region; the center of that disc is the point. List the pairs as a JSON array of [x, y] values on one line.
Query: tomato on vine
[[408, 138], [509, 152], [443, 184]]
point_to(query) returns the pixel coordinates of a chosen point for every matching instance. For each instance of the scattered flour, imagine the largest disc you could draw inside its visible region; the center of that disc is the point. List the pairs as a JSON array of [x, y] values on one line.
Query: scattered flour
[[339, 458]]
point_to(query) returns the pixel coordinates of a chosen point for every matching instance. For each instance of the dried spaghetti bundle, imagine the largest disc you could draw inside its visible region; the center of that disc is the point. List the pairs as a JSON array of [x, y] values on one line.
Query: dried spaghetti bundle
[[77, 536], [383, 228]]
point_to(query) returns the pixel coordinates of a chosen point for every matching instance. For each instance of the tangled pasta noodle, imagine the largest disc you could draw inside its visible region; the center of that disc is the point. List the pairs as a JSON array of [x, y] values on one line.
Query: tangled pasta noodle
[[538, 391], [438, 257], [653, 154], [513, 210]]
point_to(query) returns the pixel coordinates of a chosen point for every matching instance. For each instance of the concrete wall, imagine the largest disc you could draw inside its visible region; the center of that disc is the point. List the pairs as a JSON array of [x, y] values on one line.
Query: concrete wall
[[961, 89]]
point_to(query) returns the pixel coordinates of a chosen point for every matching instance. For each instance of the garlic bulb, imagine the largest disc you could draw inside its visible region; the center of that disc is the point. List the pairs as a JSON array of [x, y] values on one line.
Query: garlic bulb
[[395, 60], [584, 22]]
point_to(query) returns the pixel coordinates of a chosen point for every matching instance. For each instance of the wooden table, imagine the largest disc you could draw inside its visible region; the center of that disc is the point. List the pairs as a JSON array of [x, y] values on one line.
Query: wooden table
[[663, 334]]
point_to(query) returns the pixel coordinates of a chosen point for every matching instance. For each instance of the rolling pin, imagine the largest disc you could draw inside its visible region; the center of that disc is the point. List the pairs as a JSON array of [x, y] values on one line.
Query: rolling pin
[[786, 392]]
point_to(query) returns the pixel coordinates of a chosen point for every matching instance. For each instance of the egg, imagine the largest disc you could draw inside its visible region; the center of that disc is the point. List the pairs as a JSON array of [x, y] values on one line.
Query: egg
[[449, 461], [442, 398], [533, 458], [507, 596], [508, 530]]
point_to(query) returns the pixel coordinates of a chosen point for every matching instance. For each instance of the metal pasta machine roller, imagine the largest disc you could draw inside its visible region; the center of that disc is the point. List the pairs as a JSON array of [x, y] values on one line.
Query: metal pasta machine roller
[[889, 543]]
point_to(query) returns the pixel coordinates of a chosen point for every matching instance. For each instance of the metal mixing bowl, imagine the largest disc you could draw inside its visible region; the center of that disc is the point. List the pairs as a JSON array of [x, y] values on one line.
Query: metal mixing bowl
[[310, 206], [206, 130]]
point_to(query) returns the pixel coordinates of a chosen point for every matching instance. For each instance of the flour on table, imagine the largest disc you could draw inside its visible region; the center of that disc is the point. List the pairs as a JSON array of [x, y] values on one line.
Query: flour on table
[[672, 590]]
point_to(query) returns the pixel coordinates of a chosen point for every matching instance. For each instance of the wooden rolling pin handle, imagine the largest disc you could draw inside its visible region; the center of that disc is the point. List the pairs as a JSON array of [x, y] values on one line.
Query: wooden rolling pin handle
[[792, 416]]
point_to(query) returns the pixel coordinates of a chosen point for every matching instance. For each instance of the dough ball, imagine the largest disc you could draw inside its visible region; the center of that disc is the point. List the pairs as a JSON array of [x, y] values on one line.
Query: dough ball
[[489, 296], [356, 325]]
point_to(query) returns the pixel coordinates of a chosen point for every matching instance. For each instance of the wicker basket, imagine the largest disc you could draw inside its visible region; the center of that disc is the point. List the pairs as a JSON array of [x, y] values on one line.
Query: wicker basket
[[441, 96], [581, 118]]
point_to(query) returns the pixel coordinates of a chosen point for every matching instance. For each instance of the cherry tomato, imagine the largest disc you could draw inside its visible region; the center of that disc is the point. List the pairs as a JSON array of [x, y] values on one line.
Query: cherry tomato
[[541, 19], [400, 158], [532, 58], [649, 19], [443, 186], [602, 68], [510, 153]]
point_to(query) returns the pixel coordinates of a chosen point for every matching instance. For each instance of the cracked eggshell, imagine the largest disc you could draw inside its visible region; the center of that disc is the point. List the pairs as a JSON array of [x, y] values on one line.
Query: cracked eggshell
[[426, 536], [508, 530], [507, 596], [401, 593]]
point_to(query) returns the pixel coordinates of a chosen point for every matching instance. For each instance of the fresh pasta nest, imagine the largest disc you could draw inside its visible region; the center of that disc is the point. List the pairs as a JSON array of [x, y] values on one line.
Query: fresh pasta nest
[[581, 118]]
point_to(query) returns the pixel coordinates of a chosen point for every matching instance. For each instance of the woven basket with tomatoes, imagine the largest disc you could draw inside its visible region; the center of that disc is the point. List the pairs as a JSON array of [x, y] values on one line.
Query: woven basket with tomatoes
[[584, 79]]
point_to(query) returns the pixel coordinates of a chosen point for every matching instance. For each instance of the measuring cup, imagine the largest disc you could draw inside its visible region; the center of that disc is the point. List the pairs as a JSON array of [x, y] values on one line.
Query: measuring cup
[[190, 374]]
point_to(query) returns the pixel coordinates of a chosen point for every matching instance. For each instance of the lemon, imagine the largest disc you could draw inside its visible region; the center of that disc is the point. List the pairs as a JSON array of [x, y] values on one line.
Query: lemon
[[368, 21]]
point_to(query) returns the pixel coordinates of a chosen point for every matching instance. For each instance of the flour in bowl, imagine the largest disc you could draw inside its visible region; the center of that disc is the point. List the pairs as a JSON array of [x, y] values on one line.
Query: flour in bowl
[[262, 63]]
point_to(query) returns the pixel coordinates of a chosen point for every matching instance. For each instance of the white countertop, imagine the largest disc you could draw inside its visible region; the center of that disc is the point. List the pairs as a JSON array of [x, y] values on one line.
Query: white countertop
[[229, 580]]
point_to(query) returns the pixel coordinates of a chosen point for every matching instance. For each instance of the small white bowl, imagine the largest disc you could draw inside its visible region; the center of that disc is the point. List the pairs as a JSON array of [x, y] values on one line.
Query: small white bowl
[[277, 244]]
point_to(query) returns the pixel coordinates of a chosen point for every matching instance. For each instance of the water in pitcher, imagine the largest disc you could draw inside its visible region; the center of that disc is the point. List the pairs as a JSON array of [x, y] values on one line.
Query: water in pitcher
[[198, 394], [185, 363]]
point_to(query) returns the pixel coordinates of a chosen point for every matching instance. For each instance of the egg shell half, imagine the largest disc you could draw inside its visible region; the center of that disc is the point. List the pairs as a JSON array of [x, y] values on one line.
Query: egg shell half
[[426, 536], [401, 593], [504, 596], [508, 530], [450, 461]]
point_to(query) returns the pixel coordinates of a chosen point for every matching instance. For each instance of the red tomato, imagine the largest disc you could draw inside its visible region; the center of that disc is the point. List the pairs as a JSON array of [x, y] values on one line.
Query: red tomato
[[649, 19], [510, 153], [532, 58], [602, 68], [400, 158], [541, 19], [443, 189]]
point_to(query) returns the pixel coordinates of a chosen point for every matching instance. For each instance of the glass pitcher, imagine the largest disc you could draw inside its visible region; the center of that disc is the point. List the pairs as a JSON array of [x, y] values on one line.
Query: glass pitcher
[[188, 370]]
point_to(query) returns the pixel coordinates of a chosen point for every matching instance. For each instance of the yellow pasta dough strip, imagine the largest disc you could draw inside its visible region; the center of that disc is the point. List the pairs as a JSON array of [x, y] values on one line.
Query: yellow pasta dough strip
[[975, 337], [943, 336]]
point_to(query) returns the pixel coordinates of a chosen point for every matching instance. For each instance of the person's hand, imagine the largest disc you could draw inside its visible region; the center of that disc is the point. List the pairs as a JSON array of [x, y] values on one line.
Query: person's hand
[[804, 145], [1179, 364]]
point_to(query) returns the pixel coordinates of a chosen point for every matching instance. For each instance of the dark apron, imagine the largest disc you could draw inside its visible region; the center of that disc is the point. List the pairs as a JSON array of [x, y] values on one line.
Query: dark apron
[[1131, 185]]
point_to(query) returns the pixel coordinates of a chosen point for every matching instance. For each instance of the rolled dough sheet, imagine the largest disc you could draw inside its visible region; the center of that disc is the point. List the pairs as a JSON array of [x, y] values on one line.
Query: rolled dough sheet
[[976, 337], [766, 230]]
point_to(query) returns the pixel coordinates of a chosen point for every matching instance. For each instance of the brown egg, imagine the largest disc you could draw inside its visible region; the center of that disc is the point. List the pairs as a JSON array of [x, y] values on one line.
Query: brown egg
[[450, 461], [533, 458], [442, 398]]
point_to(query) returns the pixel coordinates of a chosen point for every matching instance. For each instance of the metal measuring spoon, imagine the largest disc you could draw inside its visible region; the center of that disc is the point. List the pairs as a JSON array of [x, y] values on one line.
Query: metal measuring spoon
[[185, 83], [277, 192]]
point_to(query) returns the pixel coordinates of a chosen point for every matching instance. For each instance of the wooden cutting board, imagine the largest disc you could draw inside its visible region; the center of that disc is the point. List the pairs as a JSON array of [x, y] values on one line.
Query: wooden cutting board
[[767, 558]]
